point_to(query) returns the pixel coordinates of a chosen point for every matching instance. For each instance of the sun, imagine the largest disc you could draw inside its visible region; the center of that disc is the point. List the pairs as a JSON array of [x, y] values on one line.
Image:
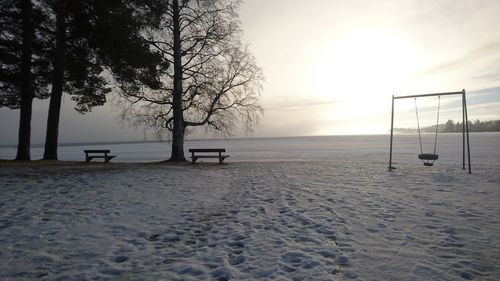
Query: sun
[[360, 71], [363, 65]]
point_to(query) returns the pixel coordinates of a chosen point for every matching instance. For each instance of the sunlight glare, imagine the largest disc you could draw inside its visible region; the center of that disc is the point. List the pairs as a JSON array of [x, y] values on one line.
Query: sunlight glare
[[365, 66], [360, 71]]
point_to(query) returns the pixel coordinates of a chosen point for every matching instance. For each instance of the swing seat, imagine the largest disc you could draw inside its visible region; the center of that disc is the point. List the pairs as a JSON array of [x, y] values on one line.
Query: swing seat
[[428, 156]]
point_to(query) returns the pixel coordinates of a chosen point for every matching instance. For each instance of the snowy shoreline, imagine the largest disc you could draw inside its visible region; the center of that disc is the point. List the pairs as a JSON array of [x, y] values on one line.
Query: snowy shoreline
[[304, 220]]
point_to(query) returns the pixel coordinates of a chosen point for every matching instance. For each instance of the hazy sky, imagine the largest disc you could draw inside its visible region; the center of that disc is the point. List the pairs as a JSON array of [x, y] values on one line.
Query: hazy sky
[[332, 66]]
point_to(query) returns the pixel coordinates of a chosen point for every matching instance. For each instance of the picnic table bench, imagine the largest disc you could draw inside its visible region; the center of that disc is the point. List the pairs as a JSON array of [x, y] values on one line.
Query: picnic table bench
[[218, 154], [90, 154]]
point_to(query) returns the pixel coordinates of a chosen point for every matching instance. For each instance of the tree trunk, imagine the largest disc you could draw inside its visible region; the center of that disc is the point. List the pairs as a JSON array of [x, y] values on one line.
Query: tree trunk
[[52, 134], [179, 127], [23, 146]]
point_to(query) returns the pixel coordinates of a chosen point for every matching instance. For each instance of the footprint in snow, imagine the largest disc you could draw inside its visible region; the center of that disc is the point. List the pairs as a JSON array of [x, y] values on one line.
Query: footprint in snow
[[236, 244], [294, 258], [236, 259], [153, 237], [343, 261], [120, 258], [221, 274]]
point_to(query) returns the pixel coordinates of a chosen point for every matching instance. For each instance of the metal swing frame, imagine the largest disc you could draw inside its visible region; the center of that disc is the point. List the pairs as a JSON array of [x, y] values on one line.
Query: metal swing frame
[[465, 125]]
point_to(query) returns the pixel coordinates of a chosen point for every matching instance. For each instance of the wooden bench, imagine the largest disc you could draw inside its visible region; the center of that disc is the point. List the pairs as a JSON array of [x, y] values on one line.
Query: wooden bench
[[93, 152], [219, 155]]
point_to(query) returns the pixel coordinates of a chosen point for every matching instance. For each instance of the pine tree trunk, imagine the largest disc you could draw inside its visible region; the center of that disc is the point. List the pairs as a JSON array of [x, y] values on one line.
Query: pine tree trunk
[[179, 127], [23, 146], [52, 134]]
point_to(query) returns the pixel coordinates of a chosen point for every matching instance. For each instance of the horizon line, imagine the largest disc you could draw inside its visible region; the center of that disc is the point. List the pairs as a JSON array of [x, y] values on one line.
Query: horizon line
[[227, 139]]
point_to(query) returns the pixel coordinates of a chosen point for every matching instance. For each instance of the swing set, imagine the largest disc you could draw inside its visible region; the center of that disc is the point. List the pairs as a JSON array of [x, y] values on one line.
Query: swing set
[[429, 158]]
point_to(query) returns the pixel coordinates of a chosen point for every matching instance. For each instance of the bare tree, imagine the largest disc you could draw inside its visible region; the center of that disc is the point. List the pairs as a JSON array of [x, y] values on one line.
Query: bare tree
[[208, 78]]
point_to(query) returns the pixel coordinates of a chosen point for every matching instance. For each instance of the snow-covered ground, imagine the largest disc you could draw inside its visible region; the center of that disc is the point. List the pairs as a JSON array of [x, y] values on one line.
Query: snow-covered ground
[[330, 216]]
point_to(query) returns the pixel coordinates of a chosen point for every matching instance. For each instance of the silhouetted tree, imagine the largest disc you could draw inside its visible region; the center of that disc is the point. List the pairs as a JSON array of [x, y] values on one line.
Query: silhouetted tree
[[480, 126], [495, 126], [208, 78], [449, 126], [57, 83], [23, 63], [24, 140], [93, 39]]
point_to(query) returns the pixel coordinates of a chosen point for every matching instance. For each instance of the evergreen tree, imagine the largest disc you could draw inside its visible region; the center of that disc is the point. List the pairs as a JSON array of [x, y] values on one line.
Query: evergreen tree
[[75, 45], [93, 39], [24, 61], [449, 126]]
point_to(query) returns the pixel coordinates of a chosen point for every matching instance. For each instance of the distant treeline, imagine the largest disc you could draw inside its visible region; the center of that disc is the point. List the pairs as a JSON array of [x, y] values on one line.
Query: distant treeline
[[452, 127]]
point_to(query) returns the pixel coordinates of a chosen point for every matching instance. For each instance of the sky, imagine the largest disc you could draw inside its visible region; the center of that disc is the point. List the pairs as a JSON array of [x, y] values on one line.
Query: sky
[[332, 66]]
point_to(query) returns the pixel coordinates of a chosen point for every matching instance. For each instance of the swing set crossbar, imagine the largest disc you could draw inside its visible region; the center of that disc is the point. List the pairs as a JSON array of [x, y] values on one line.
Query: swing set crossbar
[[428, 95]]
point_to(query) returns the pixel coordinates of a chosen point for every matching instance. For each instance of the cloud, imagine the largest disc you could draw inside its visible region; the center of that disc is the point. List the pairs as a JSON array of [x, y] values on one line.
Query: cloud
[[489, 52], [300, 104]]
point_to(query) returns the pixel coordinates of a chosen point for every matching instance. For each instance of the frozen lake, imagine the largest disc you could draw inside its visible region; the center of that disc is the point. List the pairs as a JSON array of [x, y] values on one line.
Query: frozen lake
[[485, 148], [312, 208]]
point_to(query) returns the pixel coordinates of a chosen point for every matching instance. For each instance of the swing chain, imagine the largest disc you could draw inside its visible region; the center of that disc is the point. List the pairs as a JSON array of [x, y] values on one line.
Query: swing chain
[[437, 124], [418, 126], [428, 162]]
